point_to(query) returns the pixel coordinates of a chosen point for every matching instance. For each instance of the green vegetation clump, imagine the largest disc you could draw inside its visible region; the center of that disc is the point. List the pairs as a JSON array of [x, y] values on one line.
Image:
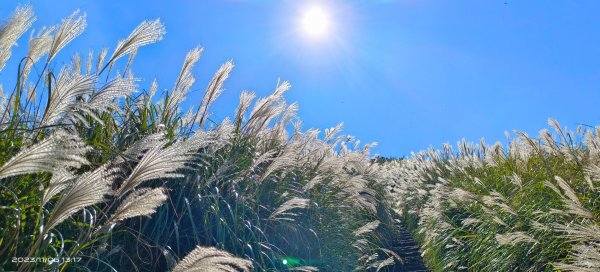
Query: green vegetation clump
[[98, 175], [530, 207]]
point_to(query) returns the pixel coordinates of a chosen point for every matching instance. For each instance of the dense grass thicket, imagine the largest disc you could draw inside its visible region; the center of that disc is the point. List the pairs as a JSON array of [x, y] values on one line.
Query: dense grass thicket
[[100, 172], [531, 206]]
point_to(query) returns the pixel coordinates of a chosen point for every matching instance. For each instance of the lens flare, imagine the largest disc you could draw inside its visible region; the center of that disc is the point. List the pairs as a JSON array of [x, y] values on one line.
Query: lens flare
[[315, 21]]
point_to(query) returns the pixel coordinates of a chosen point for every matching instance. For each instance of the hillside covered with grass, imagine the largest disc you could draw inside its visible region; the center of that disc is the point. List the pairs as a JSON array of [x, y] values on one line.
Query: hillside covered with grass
[[101, 171]]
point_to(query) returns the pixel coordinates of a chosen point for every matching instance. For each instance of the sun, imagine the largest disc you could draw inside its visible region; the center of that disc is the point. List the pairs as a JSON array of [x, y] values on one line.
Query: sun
[[315, 21]]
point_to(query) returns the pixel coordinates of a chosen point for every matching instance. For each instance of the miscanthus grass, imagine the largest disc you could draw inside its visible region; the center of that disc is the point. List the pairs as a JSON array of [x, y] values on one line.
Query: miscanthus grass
[[98, 167], [529, 206]]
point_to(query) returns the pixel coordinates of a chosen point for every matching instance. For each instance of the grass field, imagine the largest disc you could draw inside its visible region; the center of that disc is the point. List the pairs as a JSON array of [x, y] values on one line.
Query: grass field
[[99, 171]]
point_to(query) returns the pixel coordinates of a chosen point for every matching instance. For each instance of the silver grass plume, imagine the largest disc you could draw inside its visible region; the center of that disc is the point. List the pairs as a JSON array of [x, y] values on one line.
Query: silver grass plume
[[210, 259], [514, 238], [263, 109], [281, 161], [152, 92], [142, 202], [279, 129], [585, 258], [3, 101], [312, 182], [59, 181], [130, 60], [76, 64], [331, 132], [304, 269], [100, 60], [245, 100], [68, 30], [579, 232], [147, 32], [369, 227], [470, 221], [138, 148], [214, 89], [21, 20], [384, 263], [158, 162], [68, 87], [59, 151], [144, 101], [88, 62], [38, 47], [118, 88], [283, 210], [572, 202], [89, 189], [184, 81]]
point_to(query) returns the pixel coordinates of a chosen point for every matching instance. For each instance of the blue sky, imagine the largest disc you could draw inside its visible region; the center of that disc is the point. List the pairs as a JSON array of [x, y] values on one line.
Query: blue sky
[[406, 73]]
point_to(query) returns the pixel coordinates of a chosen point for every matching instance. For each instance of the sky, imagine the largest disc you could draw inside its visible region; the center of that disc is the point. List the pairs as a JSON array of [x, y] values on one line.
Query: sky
[[406, 74]]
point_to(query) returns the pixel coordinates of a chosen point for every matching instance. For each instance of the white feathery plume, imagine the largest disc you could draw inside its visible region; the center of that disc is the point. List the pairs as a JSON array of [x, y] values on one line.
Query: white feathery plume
[[138, 148], [554, 124], [38, 47], [147, 32], [314, 181], [264, 108], [21, 20], [76, 64], [514, 238], [260, 160], [245, 100], [288, 114], [142, 202], [585, 258], [304, 269], [3, 101], [59, 151], [210, 259], [281, 161], [384, 263], [184, 81], [283, 210], [59, 181], [158, 162], [130, 60], [152, 92], [331, 132], [583, 232], [593, 171], [188, 117], [214, 89], [369, 227], [68, 30], [589, 182], [572, 202], [101, 57], [117, 88], [470, 221], [89, 189], [62, 98], [516, 180], [88, 62]]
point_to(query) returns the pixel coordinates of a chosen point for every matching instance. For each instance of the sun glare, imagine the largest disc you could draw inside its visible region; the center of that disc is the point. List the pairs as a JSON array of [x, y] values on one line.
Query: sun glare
[[315, 21]]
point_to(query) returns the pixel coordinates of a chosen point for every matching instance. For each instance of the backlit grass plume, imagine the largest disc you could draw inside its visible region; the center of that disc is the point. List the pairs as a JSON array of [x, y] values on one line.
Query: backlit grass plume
[[57, 152], [213, 260]]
